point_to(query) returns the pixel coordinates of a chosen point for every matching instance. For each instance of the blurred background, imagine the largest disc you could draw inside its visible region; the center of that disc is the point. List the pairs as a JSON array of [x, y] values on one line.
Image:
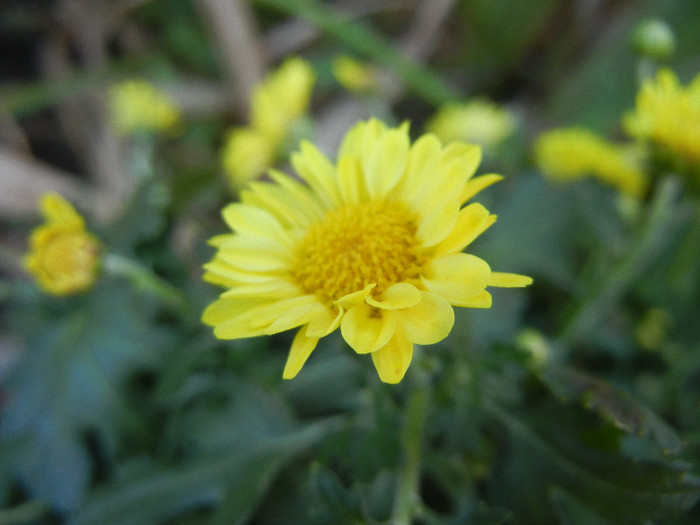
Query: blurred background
[[574, 401]]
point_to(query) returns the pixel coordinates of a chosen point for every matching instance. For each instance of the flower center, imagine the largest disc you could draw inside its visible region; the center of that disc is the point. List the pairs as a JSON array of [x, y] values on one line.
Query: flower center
[[355, 246], [69, 259]]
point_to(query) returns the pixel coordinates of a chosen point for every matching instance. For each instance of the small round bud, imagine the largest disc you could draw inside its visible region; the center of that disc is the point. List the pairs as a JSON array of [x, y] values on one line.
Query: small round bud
[[654, 39]]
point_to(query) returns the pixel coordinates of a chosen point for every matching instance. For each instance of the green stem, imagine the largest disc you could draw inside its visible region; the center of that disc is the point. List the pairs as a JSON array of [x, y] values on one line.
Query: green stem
[[369, 43], [606, 291], [142, 278], [406, 496]]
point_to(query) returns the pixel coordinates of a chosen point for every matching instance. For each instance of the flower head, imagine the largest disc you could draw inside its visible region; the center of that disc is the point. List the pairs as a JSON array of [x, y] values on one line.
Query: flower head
[[63, 256], [137, 104], [277, 107], [668, 114], [568, 154], [479, 122], [371, 245]]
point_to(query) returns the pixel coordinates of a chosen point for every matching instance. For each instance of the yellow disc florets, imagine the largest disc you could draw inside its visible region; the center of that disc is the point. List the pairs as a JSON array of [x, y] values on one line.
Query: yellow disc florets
[[355, 246]]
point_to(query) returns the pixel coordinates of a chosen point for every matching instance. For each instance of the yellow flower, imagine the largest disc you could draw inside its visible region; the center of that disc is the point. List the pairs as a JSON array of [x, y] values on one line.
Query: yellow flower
[[63, 256], [353, 75], [277, 105], [246, 154], [568, 154], [371, 245], [668, 114], [137, 104], [478, 122], [281, 99]]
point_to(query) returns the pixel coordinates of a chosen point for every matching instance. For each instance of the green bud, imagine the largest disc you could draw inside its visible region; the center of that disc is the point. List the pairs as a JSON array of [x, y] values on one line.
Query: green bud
[[654, 39]]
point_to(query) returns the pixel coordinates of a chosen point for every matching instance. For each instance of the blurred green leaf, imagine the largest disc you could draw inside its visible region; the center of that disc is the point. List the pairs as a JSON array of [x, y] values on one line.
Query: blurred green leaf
[[162, 493], [554, 445], [69, 383]]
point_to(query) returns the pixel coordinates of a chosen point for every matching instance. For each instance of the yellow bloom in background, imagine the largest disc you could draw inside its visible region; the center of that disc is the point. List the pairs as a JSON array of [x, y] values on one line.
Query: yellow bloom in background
[[137, 105], [282, 98], [246, 154], [63, 256], [371, 245], [668, 114], [277, 106], [353, 75], [477, 122], [568, 154]]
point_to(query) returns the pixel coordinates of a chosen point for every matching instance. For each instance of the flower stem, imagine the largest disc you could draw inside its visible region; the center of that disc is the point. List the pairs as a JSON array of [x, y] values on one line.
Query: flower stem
[[406, 496], [142, 278]]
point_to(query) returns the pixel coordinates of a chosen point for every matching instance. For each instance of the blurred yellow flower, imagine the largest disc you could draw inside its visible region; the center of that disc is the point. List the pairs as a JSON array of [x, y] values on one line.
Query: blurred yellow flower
[[63, 256], [568, 154], [281, 99], [668, 114], [477, 122], [353, 75], [371, 245], [277, 105], [137, 105]]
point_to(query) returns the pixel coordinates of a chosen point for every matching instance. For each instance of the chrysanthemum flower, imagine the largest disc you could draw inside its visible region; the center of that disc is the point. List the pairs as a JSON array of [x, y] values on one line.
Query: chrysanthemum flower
[[478, 122], [371, 245], [668, 114], [137, 104], [568, 154], [63, 256], [278, 104]]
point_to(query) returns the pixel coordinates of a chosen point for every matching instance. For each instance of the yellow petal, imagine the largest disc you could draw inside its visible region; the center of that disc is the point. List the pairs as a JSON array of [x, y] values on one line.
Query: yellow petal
[[318, 172], [255, 253], [399, 295], [58, 210], [468, 155], [383, 169], [392, 360], [472, 221], [299, 193], [509, 280], [429, 321], [251, 220], [423, 162], [351, 181], [456, 277], [366, 331], [477, 184], [437, 225], [324, 322], [235, 321], [270, 289], [480, 300], [354, 298], [301, 349], [276, 201]]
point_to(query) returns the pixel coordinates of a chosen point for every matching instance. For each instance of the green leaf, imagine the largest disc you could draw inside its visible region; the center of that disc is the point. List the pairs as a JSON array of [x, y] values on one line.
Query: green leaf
[[621, 410], [80, 353], [161, 494], [559, 446]]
